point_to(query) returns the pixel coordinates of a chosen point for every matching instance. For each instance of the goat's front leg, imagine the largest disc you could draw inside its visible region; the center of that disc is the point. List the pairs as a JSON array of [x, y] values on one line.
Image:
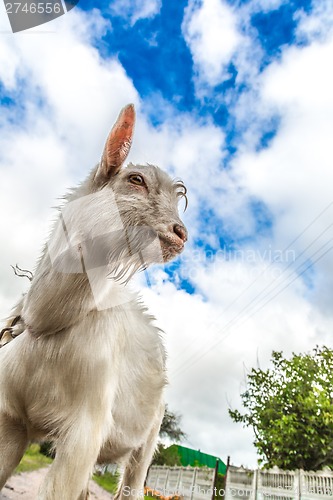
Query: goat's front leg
[[135, 472], [76, 454], [13, 442]]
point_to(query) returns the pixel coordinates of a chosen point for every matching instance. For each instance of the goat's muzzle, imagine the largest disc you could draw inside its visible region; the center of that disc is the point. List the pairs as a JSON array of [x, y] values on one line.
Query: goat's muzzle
[[173, 241]]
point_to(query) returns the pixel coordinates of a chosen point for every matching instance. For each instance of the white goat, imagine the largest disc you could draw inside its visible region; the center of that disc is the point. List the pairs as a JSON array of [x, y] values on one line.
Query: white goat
[[88, 371]]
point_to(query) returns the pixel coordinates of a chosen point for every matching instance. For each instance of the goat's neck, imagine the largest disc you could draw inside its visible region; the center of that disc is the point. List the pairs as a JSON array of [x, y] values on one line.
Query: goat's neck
[[55, 300], [62, 291]]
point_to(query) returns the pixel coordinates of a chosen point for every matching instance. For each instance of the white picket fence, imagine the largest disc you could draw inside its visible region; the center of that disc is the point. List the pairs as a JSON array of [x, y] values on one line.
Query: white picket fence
[[190, 483], [101, 469], [276, 484]]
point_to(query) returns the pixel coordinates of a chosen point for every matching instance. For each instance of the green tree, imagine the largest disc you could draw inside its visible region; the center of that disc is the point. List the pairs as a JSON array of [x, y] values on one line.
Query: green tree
[[290, 408], [166, 456], [170, 428]]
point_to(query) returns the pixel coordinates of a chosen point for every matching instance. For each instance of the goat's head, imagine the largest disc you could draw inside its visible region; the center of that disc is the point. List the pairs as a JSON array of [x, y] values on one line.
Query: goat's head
[[136, 207], [124, 217]]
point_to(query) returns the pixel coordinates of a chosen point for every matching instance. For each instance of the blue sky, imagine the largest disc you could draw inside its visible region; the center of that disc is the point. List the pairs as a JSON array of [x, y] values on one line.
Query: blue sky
[[234, 98], [155, 55]]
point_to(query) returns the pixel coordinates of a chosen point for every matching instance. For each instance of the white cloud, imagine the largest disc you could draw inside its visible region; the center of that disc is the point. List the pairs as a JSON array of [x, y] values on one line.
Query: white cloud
[[264, 5], [218, 35], [293, 176], [212, 35], [134, 10], [212, 341], [318, 23]]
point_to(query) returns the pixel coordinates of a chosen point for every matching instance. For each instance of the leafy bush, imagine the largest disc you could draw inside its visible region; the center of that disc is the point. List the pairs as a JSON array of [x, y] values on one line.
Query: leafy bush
[[46, 448]]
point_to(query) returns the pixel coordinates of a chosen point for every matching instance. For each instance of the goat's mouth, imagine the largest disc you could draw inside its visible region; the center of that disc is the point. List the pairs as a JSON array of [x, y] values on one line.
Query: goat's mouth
[[171, 246]]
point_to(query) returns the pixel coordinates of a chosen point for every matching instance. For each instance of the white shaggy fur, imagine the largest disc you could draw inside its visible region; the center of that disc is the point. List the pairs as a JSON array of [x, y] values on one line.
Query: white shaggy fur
[[89, 369]]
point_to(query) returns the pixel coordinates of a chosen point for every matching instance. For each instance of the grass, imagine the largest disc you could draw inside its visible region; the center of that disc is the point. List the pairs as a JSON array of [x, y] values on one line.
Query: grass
[[107, 481], [33, 460]]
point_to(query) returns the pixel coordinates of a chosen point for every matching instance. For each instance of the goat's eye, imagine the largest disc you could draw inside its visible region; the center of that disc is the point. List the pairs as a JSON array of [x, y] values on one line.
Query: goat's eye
[[136, 179]]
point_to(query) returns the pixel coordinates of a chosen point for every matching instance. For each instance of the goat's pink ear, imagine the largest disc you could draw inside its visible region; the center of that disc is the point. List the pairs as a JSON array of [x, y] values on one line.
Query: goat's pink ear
[[118, 144]]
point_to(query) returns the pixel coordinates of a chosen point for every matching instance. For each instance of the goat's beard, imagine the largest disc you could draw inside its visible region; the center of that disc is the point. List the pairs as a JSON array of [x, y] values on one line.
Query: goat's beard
[[138, 248], [122, 252], [133, 250]]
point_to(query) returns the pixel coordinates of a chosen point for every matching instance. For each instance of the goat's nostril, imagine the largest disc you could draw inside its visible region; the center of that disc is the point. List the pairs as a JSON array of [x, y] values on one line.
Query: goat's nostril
[[180, 231]]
